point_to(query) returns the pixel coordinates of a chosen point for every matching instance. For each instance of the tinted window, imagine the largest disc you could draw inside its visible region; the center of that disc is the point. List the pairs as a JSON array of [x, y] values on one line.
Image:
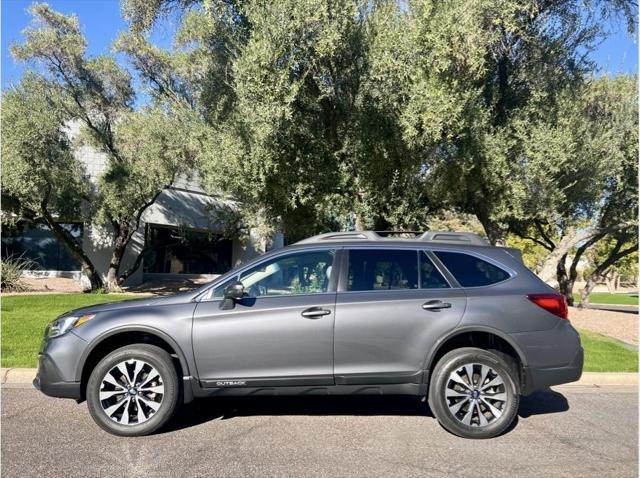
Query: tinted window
[[430, 277], [184, 251], [37, 243], [382, 269], [470, 271], [302, 273]]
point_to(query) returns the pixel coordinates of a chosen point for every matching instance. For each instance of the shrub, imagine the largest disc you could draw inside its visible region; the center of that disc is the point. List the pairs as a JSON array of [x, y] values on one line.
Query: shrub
[[11, 271]]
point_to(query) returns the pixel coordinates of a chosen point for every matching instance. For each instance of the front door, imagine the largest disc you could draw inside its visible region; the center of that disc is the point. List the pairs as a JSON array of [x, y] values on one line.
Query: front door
[[392, 307], [280, 334]]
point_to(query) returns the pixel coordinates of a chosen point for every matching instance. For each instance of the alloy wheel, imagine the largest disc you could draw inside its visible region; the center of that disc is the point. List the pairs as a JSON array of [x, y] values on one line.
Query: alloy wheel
[[476, 394], [131, 392]]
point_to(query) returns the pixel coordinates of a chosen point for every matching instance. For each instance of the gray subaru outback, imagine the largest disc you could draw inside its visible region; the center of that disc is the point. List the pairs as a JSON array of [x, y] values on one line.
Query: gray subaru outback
[[439, 315]]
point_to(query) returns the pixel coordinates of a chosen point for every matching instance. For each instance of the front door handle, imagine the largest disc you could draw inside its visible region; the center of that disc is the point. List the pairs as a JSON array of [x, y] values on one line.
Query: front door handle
[[315, 312], [436, 305]]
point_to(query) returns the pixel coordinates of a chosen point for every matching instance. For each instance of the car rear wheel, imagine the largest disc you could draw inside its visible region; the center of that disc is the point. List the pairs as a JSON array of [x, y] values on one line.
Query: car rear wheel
[[474, 393], [133, 391]]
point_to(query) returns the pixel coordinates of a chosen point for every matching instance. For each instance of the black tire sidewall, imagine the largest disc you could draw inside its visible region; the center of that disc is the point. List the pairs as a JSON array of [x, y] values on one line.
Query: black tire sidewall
[[151, 354], [502, 364]]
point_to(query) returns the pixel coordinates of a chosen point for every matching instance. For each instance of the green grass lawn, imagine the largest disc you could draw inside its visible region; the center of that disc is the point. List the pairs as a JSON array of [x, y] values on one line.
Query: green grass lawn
[[24, 318], [602, 354], [607, 298]]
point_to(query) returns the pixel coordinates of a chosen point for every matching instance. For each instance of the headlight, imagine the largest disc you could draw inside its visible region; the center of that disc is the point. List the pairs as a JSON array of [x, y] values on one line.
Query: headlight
[[64, 324]]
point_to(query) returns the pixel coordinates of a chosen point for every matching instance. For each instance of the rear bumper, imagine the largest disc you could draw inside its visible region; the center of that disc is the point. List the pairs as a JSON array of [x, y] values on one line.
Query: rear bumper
[[48, 380], [538, 378], [553, 356]]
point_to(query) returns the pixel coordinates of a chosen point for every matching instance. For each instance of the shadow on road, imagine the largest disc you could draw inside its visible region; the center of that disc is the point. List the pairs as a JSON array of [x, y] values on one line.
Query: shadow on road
[[543, 402], [225, 408]]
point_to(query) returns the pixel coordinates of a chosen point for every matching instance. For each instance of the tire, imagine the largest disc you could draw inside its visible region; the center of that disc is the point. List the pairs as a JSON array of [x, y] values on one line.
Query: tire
[[151, 401], [475, 410]]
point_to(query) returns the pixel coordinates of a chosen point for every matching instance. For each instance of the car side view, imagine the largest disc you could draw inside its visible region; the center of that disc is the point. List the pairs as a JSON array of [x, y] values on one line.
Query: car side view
[[440, 315]]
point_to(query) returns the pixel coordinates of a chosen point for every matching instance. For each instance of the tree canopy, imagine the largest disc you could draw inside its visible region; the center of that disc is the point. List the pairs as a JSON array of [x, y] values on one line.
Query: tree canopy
[[145, 149], [330, 114]]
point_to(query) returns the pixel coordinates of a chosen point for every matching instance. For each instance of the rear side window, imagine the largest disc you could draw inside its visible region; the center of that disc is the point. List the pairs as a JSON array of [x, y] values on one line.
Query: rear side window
[[471, 271], [382, 269], [430, 277]]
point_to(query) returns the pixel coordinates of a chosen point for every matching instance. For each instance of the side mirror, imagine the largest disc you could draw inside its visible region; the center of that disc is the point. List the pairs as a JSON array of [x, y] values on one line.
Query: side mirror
[[232, 293]]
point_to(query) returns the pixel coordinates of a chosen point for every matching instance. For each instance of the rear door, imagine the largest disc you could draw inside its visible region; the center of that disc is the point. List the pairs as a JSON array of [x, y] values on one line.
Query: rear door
[[280, 334], [393, 304]]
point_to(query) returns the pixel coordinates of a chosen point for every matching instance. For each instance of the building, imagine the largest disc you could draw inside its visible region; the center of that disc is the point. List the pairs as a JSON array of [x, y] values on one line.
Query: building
[[179, 235]]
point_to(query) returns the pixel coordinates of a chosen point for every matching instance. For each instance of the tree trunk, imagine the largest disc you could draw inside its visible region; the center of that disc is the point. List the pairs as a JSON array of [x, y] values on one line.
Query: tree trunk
[[586, 292], [112, 283], [123, 234], [131, 270], [612, 281], [496, 234], [75, 249], [565, 284], [600, 271], [549, 268]]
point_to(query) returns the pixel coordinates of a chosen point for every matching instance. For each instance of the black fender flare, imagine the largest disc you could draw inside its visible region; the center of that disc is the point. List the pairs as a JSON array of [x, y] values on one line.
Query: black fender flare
[[132, 328], [428, 363]]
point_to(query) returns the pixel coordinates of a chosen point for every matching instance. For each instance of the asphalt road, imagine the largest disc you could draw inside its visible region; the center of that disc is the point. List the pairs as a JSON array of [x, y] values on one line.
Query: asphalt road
[[571, 431]]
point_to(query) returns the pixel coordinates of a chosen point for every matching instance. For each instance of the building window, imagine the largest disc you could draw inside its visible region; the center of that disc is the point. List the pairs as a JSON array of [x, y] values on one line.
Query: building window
[[36, 242], [186, 251]]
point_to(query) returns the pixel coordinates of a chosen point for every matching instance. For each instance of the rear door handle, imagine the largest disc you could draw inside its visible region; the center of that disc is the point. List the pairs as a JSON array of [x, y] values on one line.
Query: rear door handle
[[315, 312], [436, 305]]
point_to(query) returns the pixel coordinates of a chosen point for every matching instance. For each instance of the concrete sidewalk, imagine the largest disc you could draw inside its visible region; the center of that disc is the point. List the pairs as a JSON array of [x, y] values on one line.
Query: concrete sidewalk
[[26, 375]]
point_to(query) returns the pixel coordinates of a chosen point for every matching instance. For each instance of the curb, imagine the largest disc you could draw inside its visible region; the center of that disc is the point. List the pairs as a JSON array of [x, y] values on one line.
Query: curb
[[607, 378], [26, 376], [18, 375]]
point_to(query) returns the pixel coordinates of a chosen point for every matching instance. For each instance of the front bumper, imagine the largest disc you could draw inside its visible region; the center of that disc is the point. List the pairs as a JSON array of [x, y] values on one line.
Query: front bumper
[[59, 365], [49, 381]]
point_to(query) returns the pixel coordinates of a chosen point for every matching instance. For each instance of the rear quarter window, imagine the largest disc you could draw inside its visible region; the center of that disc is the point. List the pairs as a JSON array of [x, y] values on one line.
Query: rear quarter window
[[471, 271]]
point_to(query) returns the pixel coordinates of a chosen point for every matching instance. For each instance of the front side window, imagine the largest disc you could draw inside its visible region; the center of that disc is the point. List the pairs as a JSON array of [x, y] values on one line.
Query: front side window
[[470, 271], [301, 273], [382, 269], [218, 291]]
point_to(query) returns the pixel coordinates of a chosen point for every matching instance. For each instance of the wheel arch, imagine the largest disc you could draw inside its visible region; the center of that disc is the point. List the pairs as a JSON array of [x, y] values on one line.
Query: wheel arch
[[478, 336], [128, 335]]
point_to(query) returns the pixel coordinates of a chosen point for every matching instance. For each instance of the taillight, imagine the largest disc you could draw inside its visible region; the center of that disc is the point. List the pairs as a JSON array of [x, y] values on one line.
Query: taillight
[[554, 303]]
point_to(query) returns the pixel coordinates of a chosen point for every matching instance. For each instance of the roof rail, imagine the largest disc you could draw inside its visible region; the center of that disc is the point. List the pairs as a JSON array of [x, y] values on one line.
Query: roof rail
[[454, 237], [468, 238]]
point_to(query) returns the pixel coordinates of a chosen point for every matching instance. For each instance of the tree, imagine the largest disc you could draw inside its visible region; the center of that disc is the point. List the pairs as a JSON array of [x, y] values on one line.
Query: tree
[[611, 255], [386, 114], [144, 149], [580, 176], [506, 64], [39, 169], [300, 110]]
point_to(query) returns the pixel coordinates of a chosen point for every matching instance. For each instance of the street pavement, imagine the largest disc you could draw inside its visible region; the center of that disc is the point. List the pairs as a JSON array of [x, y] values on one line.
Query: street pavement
[[571, 430]]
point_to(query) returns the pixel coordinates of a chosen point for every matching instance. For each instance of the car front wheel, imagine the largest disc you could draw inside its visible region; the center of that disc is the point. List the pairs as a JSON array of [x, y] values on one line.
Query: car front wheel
[[133, 391], [474, 393]]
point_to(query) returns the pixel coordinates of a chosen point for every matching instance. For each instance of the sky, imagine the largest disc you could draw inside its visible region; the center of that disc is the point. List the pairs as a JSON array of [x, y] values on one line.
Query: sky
[[101, 22]]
